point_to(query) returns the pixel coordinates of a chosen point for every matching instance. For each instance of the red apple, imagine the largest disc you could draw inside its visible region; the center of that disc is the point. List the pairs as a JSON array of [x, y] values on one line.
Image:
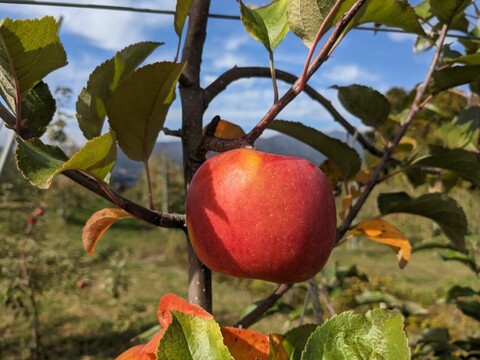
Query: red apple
[[39, 211], [256, 215]]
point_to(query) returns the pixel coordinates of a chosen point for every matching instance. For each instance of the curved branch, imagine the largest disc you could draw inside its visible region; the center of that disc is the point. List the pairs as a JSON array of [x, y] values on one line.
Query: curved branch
[[238, 73]]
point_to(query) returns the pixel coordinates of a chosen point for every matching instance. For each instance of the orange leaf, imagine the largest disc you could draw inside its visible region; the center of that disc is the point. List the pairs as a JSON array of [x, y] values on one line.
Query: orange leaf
[[383, 232], [227, 130], [150, 349], [363, 176], [98, 223], [346, 204], [171, 302], [245, 344], [134, 353]]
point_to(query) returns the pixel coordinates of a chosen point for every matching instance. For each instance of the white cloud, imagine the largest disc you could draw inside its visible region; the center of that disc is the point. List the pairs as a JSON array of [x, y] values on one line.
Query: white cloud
[[109, 30], [235, 42], [400, 37], [349, 73], [228, 60]]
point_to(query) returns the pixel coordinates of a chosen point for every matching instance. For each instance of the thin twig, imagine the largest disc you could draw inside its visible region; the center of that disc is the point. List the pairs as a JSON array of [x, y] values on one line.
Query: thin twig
[[177, 133], [414, 109], [266, 304]]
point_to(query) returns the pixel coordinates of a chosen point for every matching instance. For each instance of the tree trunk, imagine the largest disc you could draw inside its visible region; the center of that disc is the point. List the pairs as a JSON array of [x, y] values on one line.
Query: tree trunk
[[193, 108]]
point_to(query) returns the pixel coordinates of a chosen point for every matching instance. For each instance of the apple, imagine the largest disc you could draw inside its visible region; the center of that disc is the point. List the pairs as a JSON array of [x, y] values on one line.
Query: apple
[[256, 215], [39, 211]]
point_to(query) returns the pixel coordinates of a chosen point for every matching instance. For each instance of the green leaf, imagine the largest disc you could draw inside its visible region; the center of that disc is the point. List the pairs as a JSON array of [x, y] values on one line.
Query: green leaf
[[378, 334], [367, 104], [306, 16], [465, 163], [469, 59], [181, 12], [267, 24], [470, 308], [440, 208], [455, 76], [457, 291], [38, 109], [295, 340], [391, 13], [192, 337], [423, 10], [466, 259], [29, 51], [91, 103], [448, 11], [40, 163], [460, 135], [345, 157], [137, 109]]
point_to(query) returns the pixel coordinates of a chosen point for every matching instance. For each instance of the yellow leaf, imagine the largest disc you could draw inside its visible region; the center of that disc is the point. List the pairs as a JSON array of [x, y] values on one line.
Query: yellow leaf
[[383, 232], [346, 204], [354, 192], [332, 172], [98, 223], [363, 176]]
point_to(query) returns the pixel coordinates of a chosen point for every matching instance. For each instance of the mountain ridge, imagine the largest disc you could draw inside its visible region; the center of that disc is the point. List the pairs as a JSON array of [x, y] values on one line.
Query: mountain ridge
[[127, 171]]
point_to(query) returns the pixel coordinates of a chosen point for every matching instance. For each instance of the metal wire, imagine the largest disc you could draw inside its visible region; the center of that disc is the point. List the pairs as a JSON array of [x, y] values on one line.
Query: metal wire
[[172, 12]]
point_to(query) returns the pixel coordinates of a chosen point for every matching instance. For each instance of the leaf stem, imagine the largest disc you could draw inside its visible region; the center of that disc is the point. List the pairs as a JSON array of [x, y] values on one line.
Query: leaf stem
[[149, 183], [272, 74]]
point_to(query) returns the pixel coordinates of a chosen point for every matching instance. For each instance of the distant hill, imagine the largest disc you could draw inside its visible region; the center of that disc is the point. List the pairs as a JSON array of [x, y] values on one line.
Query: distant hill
[[127, 171]]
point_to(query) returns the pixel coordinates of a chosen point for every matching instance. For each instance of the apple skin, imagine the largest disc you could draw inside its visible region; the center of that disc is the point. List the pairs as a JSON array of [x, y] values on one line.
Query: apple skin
[[261, 216]]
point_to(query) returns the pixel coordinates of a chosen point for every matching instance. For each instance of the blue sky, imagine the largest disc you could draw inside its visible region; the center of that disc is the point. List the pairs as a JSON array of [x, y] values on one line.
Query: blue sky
[[92, 36]]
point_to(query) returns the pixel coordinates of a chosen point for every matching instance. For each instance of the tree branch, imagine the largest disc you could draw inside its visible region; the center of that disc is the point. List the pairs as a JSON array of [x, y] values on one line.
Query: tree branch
[[238, 73], [266, 304], [296, 88], [416, 106], [157, 218]]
